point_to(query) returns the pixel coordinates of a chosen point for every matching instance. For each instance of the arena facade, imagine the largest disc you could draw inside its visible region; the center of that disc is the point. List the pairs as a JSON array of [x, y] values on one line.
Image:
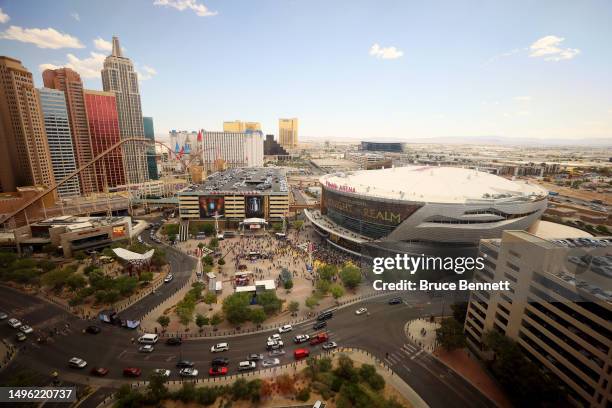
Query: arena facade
[[422, 209]]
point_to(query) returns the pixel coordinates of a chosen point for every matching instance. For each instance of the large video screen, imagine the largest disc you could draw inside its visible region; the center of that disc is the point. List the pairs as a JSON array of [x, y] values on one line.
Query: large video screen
[[210, 206], [373, 211], [254, 207]]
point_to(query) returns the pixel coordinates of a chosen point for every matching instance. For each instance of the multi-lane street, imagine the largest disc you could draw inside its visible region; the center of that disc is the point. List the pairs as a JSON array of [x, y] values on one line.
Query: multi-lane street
[[380, 332]]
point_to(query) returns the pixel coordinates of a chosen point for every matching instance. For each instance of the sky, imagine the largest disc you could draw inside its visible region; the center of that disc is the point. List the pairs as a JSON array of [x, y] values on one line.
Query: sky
[[345, 68]]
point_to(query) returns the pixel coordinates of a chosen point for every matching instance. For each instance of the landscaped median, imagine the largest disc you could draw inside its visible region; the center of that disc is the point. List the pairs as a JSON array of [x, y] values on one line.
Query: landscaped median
[[343, 378]]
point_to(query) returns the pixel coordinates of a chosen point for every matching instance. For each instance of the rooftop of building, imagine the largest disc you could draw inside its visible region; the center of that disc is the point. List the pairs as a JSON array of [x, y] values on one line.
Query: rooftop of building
[[436, 184], [74, 223], [242, 180]]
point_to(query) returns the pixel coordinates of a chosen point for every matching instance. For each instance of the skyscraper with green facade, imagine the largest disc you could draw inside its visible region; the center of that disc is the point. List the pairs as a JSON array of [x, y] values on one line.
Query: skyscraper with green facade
[[150, 134]]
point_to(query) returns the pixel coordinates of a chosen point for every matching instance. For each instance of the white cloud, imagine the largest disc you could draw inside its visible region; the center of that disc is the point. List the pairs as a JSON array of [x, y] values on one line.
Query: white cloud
[[522, 98], [146, 73], [89, 67], [198, 8], [549, 48], [4, 18], [41, 37], [385, 52], [103, 45], [76, 16]]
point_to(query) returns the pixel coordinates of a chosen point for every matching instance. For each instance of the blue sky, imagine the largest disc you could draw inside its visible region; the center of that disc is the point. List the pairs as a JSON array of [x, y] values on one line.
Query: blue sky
[[346, 69]]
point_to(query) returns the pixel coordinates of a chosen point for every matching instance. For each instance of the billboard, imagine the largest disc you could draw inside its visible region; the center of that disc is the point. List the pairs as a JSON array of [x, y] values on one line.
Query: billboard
[[254, 207], [369, 210], [210, 206]]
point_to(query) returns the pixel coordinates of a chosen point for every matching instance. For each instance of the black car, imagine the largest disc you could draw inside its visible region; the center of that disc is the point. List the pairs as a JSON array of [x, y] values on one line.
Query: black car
[[174, 341], [319, 325], [185, 364], [93, 329], [220, 361], [395, 301], [325, 315]]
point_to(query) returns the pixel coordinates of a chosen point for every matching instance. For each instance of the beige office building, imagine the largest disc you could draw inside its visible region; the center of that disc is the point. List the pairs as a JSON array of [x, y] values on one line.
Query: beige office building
[[559, 307], [118, 76], [238, 126], [24, 152], [288, 132]]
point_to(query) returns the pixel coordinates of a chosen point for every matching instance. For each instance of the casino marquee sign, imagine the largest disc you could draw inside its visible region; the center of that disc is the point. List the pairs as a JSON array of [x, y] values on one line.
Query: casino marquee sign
[[377, 212]]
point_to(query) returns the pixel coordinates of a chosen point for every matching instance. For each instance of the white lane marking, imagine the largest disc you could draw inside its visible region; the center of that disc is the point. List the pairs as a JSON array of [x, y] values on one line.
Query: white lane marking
[[406, 368], [416, 355]]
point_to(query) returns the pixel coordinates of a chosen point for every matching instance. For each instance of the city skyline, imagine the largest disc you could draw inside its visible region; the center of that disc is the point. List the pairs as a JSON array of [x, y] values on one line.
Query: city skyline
[[396, 71]]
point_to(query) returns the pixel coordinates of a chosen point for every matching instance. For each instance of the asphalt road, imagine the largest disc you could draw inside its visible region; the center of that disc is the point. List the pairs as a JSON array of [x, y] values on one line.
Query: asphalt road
[[381, 332]]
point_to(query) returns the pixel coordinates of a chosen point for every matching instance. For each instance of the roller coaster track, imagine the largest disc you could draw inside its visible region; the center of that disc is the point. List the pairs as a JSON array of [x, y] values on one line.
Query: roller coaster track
[[7, 217]]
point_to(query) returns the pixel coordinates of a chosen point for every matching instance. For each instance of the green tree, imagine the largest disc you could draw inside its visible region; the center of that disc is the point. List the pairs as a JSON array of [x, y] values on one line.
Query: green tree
[[368, 374], [214, 243], [79, 255], [208, 260], [323, 286], [200, 245], [350, 275], [298, 224], [208, 229], [327, 272], [288, 284], [76, 281], [146, 277], [163, 321], [217, 318], [336, 290], [126, 285], [201, 321], [221, 262], [294, 306], [303, 394], [311, 302], [450, 334], [210, 297], [258, 316], [156, 389], [56, 279], [236, 308], [269, 301]]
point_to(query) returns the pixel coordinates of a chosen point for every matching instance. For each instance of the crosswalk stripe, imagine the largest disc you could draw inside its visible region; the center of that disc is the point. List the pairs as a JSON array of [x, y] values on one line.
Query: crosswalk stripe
[[407, 353], [416, 355], [410, 347]]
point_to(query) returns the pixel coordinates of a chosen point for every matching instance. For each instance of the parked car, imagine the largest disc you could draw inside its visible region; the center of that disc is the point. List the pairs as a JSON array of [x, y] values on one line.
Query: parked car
[[14, 323], [270, 362], [274, 345], [132, 372], [99, 371], [255, 357], [20, 336], [174, 341], [26, 329], [319, 325], [76, 362], [93, 329], [147, 348], [220, 361], [217, 370], [162, 372], [275, 337], [219, 347], [301, 353], [188, 372], [330, 345], [184, 364], [301, 338], [3, 315], [319, 338], [247, 365], [286, 328], [275, 353]]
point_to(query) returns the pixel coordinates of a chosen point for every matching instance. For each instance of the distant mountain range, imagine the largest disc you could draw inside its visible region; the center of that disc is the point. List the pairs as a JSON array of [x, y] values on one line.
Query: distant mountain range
[[483, 140]]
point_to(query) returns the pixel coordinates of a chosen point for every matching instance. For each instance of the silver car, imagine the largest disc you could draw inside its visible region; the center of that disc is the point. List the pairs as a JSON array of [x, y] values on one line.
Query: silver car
[[270, 362]]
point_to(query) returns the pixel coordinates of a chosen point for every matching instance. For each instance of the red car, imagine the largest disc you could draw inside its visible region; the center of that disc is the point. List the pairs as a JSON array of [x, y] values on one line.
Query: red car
[[319, 338], [131, 372], [99, 371], [217, 370], [301, 353]]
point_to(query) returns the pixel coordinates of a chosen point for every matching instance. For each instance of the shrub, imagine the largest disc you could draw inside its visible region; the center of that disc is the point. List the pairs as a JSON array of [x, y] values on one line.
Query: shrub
[[303, 394]]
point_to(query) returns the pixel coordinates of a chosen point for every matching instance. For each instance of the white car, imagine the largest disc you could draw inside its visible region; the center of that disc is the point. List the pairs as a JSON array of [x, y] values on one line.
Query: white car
[[147, 348], [247, 365], [275, 353], [3, 315], [76, 362], [330, 345], [301, 338], [275, 337], [188, 372], [26, 329], [274, 345], [286, 328], [14, 323], [361, 311], [162, 372], [168, 278], [270, 362], [219, 347]]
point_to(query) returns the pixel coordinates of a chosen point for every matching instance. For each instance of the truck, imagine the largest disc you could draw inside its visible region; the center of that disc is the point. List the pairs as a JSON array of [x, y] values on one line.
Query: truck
[[319, 338]]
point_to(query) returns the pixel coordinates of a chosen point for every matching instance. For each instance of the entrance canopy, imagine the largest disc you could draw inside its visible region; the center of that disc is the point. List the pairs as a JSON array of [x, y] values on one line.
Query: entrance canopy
[[134, 258], [254, 221]]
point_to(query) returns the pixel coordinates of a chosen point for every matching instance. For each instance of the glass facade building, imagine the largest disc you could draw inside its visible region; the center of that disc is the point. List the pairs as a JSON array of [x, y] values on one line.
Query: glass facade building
[[150, 134], [59, 138]]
